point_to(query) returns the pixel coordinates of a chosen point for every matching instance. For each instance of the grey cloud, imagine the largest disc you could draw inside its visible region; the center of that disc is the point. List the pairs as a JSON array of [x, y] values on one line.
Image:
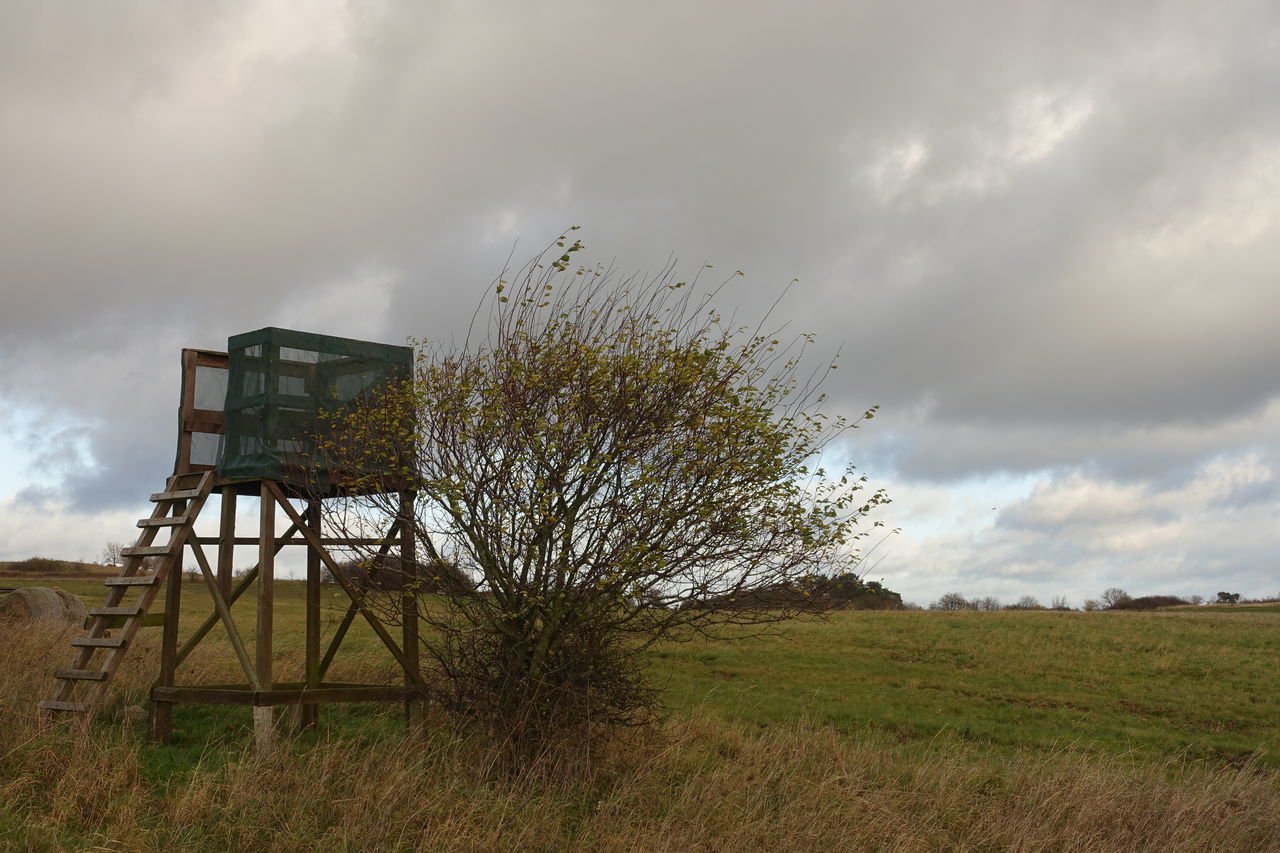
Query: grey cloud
[[918, 444], [1043, 235]]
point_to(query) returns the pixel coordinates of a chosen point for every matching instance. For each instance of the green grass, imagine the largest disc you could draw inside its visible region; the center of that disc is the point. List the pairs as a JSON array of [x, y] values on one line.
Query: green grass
[[873, 730], [1199, 684]]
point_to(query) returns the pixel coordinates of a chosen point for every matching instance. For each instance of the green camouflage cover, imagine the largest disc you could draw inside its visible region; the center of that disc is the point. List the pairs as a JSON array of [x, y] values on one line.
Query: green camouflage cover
[[279, 382]]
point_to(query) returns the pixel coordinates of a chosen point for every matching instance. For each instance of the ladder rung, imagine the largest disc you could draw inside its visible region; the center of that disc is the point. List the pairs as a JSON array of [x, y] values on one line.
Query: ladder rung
[[99, 642], [54, 705], [146, 620], [114, 611], [177, 495], [136, 580], [146, 551], [81, 674], [167, 521]]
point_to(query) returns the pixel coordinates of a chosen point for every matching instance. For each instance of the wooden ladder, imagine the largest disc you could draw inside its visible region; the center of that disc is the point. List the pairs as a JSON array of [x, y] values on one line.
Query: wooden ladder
[[82, 686]]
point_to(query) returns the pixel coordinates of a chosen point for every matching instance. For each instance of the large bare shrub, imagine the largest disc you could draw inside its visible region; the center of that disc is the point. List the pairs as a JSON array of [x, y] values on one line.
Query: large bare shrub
[[602, 463]]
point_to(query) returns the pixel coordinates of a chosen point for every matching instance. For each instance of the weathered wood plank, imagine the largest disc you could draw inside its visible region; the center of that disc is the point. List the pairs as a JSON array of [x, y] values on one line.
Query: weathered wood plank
[[134, 580], [175, 495], [146, 620], [413, 710], [242, 695], [55, 705], [363, 693], [291, 540], [163, 521], [210, 358], [99, 642], [311, 662], [263, 722], [114, 611], [147, 551], [80, 674], [226, 540], [162, 716], [335, 642], [188, 392], [205, 420]]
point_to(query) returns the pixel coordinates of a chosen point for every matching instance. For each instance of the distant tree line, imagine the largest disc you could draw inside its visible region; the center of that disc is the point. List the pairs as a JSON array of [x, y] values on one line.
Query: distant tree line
[[1113, 598], [384, 573], [1149, 602], [957, 601], [1116, 598], [844, 591], [43, 566]]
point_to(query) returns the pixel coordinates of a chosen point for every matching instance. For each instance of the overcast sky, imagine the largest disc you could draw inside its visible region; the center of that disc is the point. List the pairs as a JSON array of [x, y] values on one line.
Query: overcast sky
[[1045, 237]]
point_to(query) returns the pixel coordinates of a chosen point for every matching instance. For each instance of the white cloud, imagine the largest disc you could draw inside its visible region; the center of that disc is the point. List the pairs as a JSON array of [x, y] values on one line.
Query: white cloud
[[1077, 500], [1074, 534], [982, 156], [890, 175], [1040, 121], [51, 529], [1233, 210]]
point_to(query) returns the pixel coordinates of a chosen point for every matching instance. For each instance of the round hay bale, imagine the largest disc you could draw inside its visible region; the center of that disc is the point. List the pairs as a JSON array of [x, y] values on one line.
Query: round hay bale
[[42, 604]]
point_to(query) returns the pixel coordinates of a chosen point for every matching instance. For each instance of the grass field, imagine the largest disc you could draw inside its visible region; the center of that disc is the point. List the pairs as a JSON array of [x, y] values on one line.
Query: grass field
[[1198, 684], [870, 730]]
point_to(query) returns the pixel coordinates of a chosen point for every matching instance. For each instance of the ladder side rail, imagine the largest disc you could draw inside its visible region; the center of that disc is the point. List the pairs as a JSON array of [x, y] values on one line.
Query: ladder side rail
[[116, 656], [70, 678], [98, 625]]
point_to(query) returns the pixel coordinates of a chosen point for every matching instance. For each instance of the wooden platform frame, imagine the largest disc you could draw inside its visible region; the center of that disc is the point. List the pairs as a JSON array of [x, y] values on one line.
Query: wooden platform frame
[[260, 690], [81, 687]]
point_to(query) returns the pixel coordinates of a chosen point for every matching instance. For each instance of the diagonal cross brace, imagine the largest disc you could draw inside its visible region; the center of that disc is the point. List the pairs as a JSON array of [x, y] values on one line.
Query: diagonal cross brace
[[358, 600], [238, 590], [352, 609], [224, 613]]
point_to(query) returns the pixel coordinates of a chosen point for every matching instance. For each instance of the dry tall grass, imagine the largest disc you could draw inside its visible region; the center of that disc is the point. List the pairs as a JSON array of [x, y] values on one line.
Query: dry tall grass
[[697, 784]]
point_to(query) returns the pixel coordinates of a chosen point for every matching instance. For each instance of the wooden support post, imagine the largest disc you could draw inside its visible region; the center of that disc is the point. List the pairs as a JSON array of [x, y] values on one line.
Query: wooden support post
[[409, 608], [226, 540], [311, 712], [183, 463], [264, 717], [162, 712]]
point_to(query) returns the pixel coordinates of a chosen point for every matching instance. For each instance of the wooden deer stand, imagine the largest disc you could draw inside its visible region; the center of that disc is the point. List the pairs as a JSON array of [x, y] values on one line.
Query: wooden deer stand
[[276, 359]]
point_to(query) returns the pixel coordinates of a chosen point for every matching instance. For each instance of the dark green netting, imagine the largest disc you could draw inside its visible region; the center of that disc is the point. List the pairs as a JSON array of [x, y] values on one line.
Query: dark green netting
[[279, 382]]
